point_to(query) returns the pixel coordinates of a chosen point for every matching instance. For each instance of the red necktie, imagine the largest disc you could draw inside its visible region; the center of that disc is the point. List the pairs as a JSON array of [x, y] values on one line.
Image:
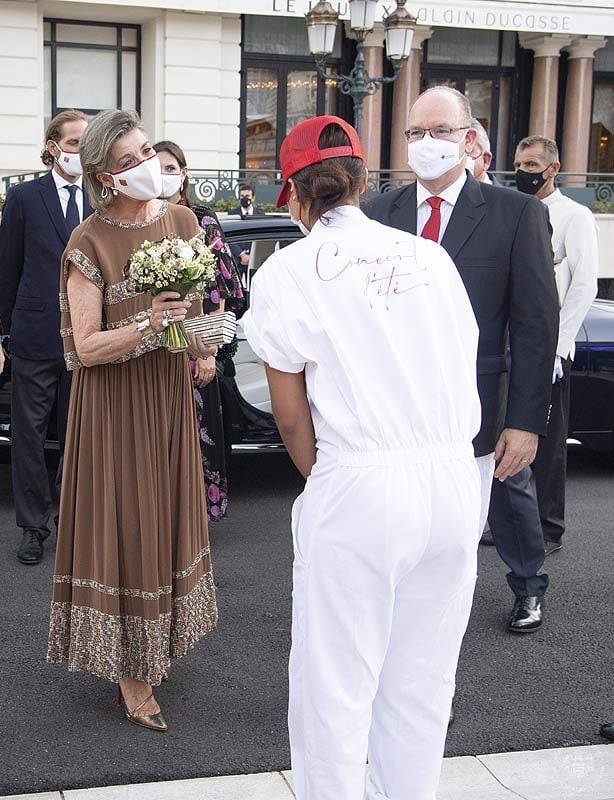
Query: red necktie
[[433, 223]]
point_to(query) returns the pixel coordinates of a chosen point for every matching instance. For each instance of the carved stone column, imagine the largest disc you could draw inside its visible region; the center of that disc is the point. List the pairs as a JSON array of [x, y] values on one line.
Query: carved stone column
[[578, 104], [406, 91], [544, 93]]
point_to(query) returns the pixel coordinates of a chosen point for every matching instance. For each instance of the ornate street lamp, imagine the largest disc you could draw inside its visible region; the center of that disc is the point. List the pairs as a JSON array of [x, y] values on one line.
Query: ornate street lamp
[[321, 28]]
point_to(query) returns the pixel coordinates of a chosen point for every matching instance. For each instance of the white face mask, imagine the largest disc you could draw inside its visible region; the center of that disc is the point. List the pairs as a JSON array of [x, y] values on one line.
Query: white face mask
[[171, 184], [299, 223], [141, 182], [431, 158], [70, 163], [470, 165]]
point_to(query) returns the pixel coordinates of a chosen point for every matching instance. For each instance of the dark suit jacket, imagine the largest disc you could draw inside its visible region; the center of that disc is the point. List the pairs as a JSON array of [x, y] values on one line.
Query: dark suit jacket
[[238, 212], [33, 236], [499, 240]]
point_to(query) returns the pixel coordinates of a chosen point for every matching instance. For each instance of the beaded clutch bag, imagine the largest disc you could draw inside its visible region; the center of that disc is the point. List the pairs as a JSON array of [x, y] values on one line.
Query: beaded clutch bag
[[213, 328]]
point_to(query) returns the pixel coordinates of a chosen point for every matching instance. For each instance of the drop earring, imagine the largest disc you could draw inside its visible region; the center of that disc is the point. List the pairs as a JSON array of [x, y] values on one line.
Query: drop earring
[[105, 192]]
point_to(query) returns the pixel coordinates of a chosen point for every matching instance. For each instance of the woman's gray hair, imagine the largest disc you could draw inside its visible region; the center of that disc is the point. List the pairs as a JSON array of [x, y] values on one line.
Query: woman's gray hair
[[95, 150]]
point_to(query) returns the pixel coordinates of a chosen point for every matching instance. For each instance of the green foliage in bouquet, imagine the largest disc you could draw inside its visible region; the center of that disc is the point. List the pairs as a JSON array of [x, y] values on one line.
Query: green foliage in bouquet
[[173, 265]]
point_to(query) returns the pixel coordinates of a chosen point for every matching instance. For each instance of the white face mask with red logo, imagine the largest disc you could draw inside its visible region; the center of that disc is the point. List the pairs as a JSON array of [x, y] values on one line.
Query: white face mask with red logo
[[431, 158], [70, 163], [141, 182]]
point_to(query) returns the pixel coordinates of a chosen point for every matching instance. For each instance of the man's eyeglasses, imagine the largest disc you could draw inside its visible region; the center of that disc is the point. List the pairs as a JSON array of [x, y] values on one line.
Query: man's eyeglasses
[[439, 132]]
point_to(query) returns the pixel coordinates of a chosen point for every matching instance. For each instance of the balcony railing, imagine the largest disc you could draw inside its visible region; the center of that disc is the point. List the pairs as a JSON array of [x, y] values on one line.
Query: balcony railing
[[221, 187]]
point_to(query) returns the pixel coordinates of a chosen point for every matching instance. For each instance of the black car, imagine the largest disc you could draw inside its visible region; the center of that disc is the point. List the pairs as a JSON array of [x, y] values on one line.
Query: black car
[[591, 413], [247, 404]]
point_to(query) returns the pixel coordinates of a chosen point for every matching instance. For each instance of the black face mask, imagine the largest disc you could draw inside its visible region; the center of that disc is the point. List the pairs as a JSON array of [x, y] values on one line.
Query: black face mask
[[529, 182], [246, 202]]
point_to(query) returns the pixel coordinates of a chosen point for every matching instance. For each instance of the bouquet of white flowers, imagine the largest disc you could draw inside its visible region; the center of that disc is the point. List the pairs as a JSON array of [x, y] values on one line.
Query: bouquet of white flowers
[[173, 265]]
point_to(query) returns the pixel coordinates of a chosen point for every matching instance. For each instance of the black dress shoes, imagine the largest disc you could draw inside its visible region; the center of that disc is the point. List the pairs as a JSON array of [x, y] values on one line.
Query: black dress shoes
[[607, 731], [526, 615], [31, 547], [552, 547]]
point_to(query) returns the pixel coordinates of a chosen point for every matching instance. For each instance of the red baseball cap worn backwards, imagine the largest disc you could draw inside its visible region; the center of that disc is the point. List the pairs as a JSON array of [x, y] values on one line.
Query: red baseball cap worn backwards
[[300, 149]]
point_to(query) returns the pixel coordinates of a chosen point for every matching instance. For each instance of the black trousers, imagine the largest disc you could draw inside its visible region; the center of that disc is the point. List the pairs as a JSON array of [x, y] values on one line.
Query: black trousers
[[517, 533], [36, 387], [550, 466]]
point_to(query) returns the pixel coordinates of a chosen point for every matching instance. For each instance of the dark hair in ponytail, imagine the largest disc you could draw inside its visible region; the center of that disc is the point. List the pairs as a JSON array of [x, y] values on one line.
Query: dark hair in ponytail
[[325, 185]]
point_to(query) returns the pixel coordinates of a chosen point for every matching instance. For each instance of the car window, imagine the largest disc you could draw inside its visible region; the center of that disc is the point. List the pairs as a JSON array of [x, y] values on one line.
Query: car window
[[250, 254]]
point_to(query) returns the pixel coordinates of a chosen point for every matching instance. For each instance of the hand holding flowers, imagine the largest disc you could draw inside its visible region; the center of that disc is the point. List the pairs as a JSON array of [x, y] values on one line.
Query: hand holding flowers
[[165, 304], [172, 267]]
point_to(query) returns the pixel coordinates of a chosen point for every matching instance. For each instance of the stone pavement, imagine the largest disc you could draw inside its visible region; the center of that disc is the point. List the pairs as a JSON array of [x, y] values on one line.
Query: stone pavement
[[570, 773]]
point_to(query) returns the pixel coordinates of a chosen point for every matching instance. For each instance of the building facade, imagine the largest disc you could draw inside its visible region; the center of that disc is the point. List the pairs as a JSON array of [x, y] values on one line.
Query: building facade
[[227, 78]]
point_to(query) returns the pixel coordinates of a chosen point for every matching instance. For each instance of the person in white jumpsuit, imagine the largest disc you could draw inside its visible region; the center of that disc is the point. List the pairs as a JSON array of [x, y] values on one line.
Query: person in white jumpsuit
[[370, 344]]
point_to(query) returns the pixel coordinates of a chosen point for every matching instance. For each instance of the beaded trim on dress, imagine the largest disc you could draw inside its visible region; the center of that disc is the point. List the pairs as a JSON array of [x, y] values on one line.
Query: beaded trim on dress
[[133, 226], [115, 646]]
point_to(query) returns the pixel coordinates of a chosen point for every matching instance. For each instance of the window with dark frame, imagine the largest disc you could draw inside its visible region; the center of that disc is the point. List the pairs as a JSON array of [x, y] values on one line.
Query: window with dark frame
[[601, 155], [91, 66], [280, 87]]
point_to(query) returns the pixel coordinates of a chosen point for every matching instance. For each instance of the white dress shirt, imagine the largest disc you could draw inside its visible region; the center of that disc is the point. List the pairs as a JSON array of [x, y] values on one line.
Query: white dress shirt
[[576, 265], [64, 194], [449, 197]]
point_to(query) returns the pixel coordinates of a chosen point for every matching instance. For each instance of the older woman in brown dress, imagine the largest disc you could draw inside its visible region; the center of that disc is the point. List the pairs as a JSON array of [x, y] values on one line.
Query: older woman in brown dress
[[133, 585]]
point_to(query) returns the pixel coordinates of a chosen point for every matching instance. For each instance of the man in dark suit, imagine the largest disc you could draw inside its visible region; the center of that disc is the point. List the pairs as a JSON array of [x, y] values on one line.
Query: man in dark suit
[[500, 243], [37, 221], [247, 203], [246, 209]]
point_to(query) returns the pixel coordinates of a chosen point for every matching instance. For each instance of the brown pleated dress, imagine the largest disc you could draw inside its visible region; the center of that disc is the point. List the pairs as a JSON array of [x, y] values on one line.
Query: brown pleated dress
[[133, 585]]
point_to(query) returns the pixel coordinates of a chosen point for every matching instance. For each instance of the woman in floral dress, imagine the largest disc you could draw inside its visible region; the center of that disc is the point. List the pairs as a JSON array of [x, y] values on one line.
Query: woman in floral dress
[[226, 295]]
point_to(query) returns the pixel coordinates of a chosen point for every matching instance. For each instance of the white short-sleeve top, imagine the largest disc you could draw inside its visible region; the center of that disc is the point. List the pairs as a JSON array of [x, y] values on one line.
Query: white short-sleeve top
[[381, 324]]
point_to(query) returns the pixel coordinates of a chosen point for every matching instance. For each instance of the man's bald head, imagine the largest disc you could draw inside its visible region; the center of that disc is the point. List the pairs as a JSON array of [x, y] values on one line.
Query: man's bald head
[[448, 100]]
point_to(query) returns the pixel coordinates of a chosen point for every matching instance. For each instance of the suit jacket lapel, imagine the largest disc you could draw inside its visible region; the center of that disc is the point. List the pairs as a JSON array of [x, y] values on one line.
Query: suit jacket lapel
[[403, 214], [466, 215], [52, 203]]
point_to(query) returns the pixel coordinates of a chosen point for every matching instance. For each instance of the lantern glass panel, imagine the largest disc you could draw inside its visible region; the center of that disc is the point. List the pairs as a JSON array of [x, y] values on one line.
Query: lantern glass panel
[[362, 14]]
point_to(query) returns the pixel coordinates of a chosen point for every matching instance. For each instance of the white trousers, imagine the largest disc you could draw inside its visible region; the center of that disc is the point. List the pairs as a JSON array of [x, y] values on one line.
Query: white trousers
[[384, 572], [486, 466]]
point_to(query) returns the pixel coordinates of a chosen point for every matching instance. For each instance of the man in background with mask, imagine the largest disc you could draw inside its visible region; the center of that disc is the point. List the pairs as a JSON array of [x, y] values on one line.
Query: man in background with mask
[[574, 242], [500, 243], [247, 200], [37, 221], [245, 209]]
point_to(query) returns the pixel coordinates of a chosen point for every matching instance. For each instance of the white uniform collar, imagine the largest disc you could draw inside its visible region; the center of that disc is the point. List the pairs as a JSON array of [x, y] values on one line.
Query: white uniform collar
[[450, 195], [336, 216], [552, 198]]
